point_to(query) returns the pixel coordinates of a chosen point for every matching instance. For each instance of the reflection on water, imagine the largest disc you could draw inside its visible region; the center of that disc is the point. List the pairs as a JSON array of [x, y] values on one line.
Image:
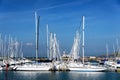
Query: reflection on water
[[32, 75], [47, 75], [37, 75], [94, 75], [86, 75], [6, 75]]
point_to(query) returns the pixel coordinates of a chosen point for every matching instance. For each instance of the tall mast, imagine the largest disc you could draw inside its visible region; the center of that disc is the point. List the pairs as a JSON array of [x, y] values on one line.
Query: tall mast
[[47, 41], [37, 33], [83, 26]]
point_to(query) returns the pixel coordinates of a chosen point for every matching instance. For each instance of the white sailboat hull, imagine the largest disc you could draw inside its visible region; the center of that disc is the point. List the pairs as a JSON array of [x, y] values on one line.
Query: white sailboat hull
[[33, 67], [82, 69], [85, 68]]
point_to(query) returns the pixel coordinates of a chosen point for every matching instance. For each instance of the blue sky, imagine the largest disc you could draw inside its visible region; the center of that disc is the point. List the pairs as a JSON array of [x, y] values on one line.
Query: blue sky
[[102, 24]]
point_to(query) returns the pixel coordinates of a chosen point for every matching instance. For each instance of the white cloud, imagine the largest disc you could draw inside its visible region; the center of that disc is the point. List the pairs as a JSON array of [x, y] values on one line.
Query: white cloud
[[29, 44]]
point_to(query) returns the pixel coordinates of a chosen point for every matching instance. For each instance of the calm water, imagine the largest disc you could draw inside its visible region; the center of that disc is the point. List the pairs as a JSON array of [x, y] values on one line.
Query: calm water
[[46, 75]]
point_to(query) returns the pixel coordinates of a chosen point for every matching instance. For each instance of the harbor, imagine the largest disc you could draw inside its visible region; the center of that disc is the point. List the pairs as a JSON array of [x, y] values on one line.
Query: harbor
[[59, 40], [55, 61]]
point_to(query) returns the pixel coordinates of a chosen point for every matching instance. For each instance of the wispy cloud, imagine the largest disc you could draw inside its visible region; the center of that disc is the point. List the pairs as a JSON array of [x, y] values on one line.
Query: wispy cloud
[[65, 4]]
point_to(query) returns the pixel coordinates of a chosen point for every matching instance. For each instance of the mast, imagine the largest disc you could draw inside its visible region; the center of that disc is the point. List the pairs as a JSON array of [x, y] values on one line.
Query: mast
[[118, 49], [83, 26], [51, 47], [5, 41], [107, 51], [1, 46], [117, 44], [114, 51], [54, 47], [58, 51], [37, 33], [21, 51], [16, 48], [47, 41]]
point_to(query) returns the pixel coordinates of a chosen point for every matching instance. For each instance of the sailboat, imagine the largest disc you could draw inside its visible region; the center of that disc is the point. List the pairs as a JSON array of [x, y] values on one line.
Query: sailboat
[[117, 58], [114, 65], [82, 67], [35, 66], [110, 64]]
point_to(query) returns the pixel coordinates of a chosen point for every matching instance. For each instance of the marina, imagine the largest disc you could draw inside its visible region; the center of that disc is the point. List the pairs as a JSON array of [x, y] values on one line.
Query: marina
[[59, 40], [13, 63]]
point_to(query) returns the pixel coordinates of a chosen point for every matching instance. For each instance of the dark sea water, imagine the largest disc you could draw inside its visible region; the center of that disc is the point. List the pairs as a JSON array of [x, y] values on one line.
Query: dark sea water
[[47, 75]]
